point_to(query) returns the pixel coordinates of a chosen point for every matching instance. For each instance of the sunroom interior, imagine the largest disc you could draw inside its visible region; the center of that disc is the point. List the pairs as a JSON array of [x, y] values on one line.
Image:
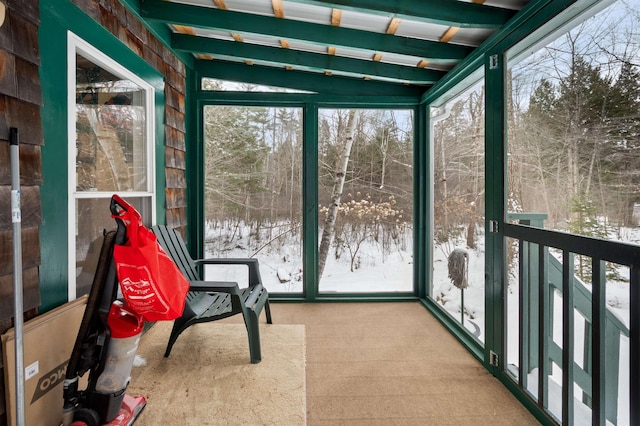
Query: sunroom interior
[[480, 158]]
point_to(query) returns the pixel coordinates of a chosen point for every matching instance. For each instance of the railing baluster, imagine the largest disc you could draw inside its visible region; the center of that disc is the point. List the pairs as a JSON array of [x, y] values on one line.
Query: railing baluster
[[543, 334], [567, 338], [634, 333], [598, 281], [522, 323]]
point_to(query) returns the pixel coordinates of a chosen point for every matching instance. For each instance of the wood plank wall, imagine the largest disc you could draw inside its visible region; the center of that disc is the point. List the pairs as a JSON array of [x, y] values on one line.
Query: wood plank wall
[[20, 102]]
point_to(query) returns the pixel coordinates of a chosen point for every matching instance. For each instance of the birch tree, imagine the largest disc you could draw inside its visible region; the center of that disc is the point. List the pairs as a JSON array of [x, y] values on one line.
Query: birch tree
[[342, 163]]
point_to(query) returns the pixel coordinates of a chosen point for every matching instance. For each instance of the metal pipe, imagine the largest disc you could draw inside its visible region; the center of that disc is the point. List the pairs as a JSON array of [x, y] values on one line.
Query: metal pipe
[[16, 219]]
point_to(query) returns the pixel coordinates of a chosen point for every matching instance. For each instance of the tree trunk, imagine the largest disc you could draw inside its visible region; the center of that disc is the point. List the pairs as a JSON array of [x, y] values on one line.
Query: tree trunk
[[336, 194]]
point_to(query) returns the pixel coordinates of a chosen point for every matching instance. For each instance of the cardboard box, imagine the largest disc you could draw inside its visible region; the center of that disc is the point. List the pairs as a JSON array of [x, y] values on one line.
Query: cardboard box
[[48, 341]]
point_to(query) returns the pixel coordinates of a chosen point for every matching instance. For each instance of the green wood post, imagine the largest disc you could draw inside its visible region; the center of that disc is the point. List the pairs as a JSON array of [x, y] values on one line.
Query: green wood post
[[495, 161], [195, 169], [421, 196], [310, 201]]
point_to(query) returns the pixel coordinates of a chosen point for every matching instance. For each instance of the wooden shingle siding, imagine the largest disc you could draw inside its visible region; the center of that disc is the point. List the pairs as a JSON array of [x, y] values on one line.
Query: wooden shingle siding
[[124, 25], [20, 102], [176, 197], [174, 219], [25, 116], [175, 99], [8, 82], [30, 256], [31, 213], [30, 294], [29, 81], [175, 139], [24, 34], [174, 158], [175, 118]]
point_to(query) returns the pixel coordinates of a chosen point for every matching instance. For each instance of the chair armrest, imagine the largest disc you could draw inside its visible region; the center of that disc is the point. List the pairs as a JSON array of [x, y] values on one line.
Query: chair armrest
[[227, 261], [215, 286], [252, 264]]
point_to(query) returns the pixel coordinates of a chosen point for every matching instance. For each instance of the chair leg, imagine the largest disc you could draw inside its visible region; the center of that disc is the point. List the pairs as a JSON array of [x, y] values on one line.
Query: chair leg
[[253, 331], [178, 328], [267, 310]]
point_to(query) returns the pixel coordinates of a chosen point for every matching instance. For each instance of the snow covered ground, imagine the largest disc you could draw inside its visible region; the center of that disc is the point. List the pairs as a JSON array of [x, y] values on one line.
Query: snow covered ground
[[281, 264]]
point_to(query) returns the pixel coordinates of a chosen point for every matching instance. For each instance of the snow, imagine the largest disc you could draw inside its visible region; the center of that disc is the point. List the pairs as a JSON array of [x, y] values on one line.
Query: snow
[[376, 270]]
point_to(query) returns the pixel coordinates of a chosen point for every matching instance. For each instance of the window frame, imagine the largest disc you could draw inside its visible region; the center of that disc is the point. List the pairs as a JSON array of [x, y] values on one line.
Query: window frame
[[77, 45]]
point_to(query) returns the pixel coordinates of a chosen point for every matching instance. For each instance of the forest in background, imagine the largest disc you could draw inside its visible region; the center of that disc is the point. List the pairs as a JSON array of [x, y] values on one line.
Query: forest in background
[[254, 179], [573, 135]]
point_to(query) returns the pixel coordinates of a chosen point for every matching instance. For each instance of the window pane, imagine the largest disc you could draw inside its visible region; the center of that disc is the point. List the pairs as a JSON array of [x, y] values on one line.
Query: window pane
[[573, 156], [232, 86], [253, 192], [365, 192], [458, 208], [94, 216], [111, 150], [574, 127]]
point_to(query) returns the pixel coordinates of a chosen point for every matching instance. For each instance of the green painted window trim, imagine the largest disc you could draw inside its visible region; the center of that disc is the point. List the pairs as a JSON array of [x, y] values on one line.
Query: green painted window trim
[[57, 18], [310, 104]]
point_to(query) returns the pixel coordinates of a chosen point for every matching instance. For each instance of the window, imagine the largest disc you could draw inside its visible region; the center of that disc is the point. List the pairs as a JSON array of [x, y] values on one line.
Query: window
[[573, 159], [111, 135], [365, 194], [457, 282], [253, 192], [214, 84]]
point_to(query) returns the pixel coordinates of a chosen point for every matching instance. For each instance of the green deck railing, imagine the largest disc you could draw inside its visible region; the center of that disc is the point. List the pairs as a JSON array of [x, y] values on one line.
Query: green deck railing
[[596, 373]]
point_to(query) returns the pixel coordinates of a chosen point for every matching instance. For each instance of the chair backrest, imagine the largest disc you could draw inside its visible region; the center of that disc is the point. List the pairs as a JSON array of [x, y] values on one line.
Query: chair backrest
[[172, 243]]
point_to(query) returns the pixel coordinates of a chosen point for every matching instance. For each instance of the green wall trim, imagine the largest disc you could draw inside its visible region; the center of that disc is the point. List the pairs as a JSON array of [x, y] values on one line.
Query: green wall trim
[[310, 202], [495, 203], [195, 160], [57, 17], [421, 196], [300, 99]]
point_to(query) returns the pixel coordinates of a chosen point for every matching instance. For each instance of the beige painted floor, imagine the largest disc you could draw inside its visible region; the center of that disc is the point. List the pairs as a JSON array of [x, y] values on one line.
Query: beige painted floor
[[393, 364]]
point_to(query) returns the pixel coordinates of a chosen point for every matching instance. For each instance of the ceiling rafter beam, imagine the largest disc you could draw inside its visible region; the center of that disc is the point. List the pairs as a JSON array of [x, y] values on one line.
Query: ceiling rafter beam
[[278, 9], [336, 17], [303, 80], [220, 4], [299, 59], [444, 12], [325, 35]]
